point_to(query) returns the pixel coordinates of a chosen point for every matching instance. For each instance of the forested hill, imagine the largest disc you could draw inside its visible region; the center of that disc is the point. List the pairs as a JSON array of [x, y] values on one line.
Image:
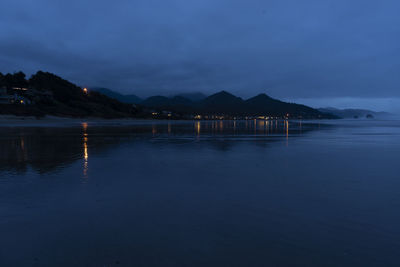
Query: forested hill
[[47, 94]]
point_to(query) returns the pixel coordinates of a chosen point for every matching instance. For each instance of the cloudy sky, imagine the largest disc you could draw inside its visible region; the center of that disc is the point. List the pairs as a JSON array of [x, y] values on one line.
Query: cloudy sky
[[344, 53]]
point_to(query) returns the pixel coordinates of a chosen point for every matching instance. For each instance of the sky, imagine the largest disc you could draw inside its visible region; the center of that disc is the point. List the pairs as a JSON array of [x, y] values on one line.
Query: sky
[[323, 53]]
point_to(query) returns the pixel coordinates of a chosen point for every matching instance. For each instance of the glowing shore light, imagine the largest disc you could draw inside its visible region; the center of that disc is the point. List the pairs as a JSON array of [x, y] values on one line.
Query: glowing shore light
[[85, 149], [85, 90], [198, 127]]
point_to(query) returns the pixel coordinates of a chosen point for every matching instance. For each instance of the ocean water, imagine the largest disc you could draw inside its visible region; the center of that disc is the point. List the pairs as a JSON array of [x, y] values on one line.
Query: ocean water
[[204, 193]]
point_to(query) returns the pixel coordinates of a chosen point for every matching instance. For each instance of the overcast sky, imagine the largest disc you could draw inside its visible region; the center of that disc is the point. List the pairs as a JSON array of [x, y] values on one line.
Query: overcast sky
[[290, 49]]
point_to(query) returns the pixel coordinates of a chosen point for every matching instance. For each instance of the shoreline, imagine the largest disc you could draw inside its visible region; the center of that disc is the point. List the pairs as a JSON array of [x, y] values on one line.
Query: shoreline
[[55, 121]]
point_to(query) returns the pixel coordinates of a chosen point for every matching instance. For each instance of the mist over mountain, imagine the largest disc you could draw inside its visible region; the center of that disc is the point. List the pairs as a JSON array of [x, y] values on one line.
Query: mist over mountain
[[176, 103], [197, 96], [131, 98], [228, 104]]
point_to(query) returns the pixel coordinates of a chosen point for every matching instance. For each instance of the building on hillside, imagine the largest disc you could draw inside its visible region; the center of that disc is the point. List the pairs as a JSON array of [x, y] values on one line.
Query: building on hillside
[[19, 99], [25, 96], [20, 89], [4, 97]]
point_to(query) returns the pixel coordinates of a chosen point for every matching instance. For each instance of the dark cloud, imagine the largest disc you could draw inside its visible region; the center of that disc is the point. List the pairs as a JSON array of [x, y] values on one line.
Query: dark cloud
[[287, 48]]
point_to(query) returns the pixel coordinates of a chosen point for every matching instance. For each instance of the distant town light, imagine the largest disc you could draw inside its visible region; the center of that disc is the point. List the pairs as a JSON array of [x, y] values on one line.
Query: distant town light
[[85, 90]]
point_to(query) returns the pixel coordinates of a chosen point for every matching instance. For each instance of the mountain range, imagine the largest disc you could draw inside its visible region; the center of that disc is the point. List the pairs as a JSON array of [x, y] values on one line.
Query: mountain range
[[224, 103]]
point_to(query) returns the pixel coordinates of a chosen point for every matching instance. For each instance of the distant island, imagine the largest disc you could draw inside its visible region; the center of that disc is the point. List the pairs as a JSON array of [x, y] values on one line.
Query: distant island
[[351, 113], [47, 94]]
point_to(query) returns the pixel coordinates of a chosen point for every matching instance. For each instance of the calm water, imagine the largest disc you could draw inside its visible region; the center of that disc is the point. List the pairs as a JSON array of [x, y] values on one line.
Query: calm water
[[201, 194]]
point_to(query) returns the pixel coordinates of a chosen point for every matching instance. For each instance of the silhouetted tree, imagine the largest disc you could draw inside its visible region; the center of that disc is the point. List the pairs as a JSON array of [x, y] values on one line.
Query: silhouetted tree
[[19, 79], [8, 80], [13, 80]]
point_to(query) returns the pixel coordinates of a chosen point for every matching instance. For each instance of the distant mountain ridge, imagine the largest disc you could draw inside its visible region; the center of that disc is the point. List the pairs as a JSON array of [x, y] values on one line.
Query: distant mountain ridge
[[228, 104], [131, 98], [354, 113], [197, 96], [222, 103]]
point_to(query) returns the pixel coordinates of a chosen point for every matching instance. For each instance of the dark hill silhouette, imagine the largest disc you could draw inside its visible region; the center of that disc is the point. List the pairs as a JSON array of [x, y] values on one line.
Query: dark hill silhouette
[[225, 103], [264, 104], [156, 101], [181, 101], [222, 102], [193, 96], [49, 94], [222, 97], [178, 103], [131, 98], [262, 99]]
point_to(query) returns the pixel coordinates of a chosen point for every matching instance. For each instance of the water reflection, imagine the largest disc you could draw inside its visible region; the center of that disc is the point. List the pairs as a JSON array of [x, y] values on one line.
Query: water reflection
[[85, 149], [197, 127], [47, 149]]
